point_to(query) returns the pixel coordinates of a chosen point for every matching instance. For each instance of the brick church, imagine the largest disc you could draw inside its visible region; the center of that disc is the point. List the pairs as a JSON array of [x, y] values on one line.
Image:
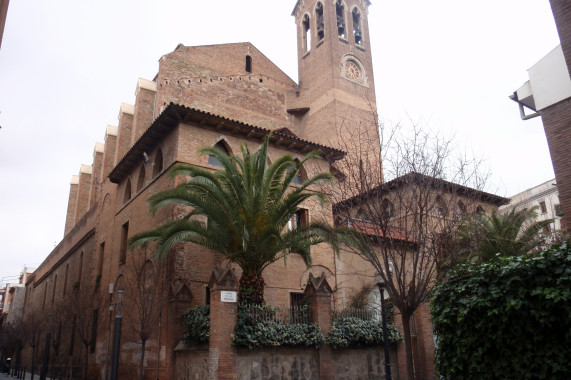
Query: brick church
[[220, 96]]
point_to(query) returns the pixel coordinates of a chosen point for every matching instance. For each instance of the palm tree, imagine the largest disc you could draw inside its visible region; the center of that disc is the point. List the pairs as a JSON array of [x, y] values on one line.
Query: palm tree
[[248, 205], [514, 233]]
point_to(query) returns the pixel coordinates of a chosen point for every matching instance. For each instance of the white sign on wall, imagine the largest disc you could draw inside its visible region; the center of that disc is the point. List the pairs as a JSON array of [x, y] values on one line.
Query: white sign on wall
[[228, 296]]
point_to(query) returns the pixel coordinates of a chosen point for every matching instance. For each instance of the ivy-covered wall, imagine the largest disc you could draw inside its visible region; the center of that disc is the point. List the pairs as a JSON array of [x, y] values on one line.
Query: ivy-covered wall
[[506, 320]]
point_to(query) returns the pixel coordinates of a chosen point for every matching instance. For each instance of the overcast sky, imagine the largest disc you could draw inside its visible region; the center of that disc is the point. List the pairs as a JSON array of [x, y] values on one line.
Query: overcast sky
[[66, 66]]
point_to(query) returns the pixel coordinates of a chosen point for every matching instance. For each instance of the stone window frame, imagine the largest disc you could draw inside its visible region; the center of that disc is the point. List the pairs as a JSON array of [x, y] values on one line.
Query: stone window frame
[[363, 80]]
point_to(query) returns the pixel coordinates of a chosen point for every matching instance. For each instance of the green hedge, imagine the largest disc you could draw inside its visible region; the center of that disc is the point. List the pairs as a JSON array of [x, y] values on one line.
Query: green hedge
[[506, 320], [355, 332], [254, 334], [197, 323]]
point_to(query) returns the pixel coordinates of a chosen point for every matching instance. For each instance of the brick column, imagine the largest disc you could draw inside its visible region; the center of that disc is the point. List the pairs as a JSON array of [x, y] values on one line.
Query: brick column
[[223, 317], [318, 293]]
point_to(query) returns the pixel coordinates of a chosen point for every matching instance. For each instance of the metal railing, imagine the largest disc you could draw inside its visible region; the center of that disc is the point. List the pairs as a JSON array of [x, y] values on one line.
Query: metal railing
[[288, 315], [369, 314]]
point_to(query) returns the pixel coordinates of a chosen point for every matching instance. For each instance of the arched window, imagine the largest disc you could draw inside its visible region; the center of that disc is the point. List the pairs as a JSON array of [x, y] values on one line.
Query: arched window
[[220, 146], [319, 24], [248, 64], [158, 163], [340, 13], [300, 176], [479, 209], [127, 194], [388, 209], [141, 180], [460, 209], [357, 32], [45, 294], [440, 207], [306, 29]]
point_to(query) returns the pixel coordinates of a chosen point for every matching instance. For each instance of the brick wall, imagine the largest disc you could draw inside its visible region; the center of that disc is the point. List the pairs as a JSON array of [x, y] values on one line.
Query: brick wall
[[557, 124]]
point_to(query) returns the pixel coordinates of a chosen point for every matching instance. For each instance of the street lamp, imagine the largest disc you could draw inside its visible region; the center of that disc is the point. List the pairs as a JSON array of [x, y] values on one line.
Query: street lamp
[[117, 336], [44, 371], [381, 286], [109, 331]]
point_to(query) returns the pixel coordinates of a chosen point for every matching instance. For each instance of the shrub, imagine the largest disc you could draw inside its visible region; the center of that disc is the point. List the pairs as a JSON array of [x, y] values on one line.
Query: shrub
[[197, 322], [355, 332], [507, 319], [251, 334]]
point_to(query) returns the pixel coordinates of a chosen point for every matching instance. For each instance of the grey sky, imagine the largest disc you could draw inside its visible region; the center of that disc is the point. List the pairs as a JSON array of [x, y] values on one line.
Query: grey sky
[[66, 66]]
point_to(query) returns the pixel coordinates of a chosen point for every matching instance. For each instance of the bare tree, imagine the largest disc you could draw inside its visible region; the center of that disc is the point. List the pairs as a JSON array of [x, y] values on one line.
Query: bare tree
[[405, 211], [33, 326], [144, 299], [83, 309]]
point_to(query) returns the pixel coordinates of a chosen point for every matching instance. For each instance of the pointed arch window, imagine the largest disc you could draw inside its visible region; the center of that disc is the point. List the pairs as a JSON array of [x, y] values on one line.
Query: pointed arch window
[[357, 30], [440, 207], [460, 209], [388, 209], [141, 180], [306, 33], [127, 194], [248, 64], [158, 163], [300, 176], [319, 23], [340, 17], [54, 290], [220, 146]]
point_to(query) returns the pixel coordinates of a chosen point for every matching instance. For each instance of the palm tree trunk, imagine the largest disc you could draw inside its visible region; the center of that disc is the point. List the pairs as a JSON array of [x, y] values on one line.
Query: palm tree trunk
[[408, 346], [142, 361], [251, 289]]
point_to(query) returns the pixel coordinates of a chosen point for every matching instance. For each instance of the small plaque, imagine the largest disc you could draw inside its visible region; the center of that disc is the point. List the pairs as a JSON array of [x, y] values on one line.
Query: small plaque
[[228, 296]]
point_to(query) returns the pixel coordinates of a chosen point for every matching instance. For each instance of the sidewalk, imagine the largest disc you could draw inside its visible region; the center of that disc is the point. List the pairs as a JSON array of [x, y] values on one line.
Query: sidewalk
[[3, 376]]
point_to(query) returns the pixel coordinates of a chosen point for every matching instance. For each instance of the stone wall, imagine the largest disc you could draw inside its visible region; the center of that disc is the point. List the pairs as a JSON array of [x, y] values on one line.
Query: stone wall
[[278, 363]]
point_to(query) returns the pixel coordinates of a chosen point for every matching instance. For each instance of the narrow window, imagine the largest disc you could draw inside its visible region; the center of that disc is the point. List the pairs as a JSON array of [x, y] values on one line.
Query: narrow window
[[94, 323], [72, 341], [56, 346], [357, 33], [340, 13], [80, 271], [54, 291], [300, 218], [141, 180], [558, 211], [45, 294], [207, 296], [65, 280], [158, 163], [388, 209], [543, 207], [479, 210], [212, 160], [123, 248], [127, 194], [319, 21], [440, 207], [248, 64], [300, 176], [547, 228], [100, 259], [306, 26], [460, 209]]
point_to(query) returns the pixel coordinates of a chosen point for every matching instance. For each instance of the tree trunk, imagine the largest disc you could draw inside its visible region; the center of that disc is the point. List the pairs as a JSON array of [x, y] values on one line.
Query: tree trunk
[[408, 346], [86, 362], [251, 289], [142, 361]]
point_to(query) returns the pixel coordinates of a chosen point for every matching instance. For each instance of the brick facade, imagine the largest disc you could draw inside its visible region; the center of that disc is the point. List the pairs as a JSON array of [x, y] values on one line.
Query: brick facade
[[200, 96]]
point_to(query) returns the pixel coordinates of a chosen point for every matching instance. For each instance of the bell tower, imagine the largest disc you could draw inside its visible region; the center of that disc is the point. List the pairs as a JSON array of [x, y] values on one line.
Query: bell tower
[[335, 71]]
